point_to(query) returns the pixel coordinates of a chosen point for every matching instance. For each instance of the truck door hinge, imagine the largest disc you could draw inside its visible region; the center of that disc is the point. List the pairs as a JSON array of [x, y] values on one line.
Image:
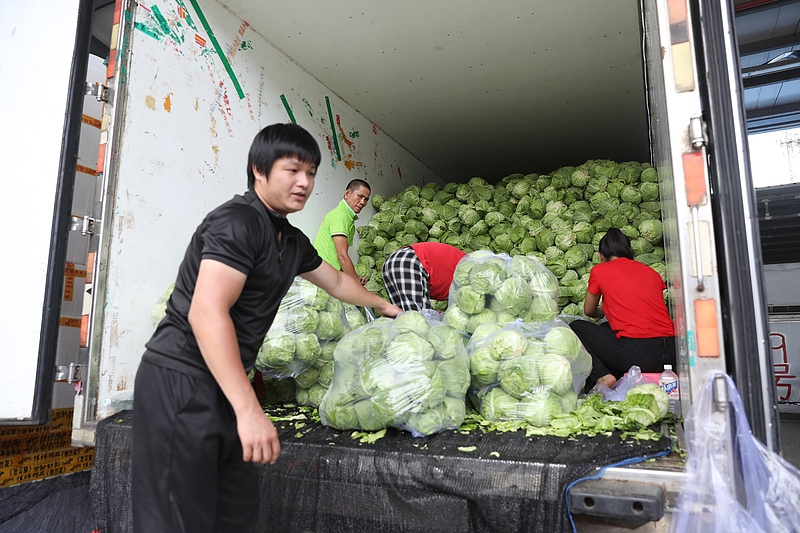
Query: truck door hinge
[[697, 135], [98, 90], [86, 224], [69, 374]]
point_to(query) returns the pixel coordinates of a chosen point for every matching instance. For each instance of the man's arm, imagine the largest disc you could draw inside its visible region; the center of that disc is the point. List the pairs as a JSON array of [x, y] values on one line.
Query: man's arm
[[591, 306], [345, 288], [340, 241], [218, 287]]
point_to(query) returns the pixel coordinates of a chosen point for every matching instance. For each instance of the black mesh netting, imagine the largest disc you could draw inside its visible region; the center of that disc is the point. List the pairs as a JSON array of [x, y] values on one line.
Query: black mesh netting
[[327, 481], [55, 504]]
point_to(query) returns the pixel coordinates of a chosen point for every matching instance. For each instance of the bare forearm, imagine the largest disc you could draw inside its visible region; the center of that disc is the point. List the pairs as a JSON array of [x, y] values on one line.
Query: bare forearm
[[347, 266], [219, 347]]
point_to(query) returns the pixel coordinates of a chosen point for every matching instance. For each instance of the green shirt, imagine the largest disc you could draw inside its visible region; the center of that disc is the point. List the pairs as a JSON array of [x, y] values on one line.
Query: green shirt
[[339, 221]]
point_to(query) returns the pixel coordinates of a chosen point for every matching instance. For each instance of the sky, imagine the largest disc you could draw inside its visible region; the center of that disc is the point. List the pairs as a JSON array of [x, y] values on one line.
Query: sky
[[775, 157]]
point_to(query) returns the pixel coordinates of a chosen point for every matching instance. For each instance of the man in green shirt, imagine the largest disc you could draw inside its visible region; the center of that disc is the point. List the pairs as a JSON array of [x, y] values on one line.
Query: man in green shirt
[[335, 235]]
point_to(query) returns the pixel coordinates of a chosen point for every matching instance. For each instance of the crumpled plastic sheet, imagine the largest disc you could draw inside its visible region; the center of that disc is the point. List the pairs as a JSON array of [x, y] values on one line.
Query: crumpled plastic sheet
[[734, 483]]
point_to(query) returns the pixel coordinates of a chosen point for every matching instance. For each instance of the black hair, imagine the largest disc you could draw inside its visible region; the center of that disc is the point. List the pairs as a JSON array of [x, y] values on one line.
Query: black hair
[[276, 142], [356, 183], [615, 244]]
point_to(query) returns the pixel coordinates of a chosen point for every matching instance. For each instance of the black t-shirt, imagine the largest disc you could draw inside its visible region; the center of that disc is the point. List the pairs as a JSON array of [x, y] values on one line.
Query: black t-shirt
[[243, 234]]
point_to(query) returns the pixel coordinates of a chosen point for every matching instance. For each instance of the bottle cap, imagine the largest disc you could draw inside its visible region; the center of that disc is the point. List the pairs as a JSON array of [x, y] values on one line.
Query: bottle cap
[[667, 367]]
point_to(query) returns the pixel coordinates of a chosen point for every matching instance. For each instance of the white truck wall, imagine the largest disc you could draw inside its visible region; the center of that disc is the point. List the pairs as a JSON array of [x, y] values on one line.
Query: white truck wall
[[183, 151], [30, 148]]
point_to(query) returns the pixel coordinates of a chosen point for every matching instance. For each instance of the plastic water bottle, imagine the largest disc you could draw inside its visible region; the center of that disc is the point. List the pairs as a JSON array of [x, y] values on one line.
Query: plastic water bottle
[[669, 384]]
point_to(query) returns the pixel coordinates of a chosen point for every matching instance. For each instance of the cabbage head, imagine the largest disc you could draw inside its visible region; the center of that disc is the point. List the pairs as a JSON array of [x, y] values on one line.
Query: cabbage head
[[631, 194], [341, 417], [494, 218], [514, 294], [366, 416], [662, 400], [583, 231], [569, 401], [651, 230], [276, 352], [507, 343], [486, 277], [330, 326], [562, 341], [543, 309], [519, 376], [307, 378], [574, 257], [469, 300], [455, 410], [325, 376], [541, 407], [298, 319], [483, 367], [649, 191], [407, 348], [555, 372], [469, 216], [427, 422], [497, 405], [411, 321], [580, 177], [629, 231], [446, 341], [640, 246], [525, 267], [463, 269], [565, 240], [456, 318], [307, 348], [484, 331], [654, 207], [487, 315], [544, 238], [455, 376]]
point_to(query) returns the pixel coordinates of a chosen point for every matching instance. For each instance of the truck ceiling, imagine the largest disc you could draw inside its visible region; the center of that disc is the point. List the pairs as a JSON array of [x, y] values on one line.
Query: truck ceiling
[[485, 89]]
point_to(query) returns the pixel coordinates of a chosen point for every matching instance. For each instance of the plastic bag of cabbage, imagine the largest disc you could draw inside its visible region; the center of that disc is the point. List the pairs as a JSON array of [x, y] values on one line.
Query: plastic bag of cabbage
[[308, 319], [529, 372], [496, 288], [409, 373]]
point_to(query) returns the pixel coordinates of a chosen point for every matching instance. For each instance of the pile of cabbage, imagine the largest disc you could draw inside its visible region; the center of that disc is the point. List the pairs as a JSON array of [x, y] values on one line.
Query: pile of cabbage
[[496, 288], [411, 373], [526, 371], [302, 338], [558, 217]]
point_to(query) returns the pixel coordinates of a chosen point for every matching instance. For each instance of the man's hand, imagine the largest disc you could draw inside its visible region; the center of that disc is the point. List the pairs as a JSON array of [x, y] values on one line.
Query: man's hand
[[363, 280], [259, 437], [389, 310]]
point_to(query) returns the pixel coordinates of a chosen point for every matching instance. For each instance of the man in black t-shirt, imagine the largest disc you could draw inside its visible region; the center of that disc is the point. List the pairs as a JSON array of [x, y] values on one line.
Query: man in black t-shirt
[[198, 425]]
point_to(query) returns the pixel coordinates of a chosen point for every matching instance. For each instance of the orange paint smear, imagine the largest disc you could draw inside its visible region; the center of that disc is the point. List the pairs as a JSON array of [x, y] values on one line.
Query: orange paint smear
[[344, 136]]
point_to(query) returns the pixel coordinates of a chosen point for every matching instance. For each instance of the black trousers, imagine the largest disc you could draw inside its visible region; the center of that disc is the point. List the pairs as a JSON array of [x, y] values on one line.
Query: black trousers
[[611, 355], [188, 472]]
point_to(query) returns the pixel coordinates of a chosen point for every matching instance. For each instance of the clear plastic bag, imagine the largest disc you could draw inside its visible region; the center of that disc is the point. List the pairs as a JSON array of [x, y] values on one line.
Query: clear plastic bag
[[496, 288], [734, 484], [410, 373], [526, 371], [308, 319], [632, 378]]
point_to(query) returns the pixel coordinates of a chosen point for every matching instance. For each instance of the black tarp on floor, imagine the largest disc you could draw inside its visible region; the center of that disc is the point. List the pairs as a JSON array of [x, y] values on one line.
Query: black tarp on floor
[[326, 481], [59, 504]]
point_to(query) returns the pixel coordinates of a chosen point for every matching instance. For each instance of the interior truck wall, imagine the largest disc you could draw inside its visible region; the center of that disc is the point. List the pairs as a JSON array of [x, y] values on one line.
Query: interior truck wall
[[200, 82], [30, 149]]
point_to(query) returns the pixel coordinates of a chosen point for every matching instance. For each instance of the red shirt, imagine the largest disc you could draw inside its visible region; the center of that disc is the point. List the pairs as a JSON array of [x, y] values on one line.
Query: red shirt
[[633, 298], [440, 261]]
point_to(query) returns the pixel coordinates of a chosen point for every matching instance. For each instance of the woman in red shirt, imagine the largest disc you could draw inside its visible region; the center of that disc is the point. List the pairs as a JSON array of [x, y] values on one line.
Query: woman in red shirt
[[639, 330]]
